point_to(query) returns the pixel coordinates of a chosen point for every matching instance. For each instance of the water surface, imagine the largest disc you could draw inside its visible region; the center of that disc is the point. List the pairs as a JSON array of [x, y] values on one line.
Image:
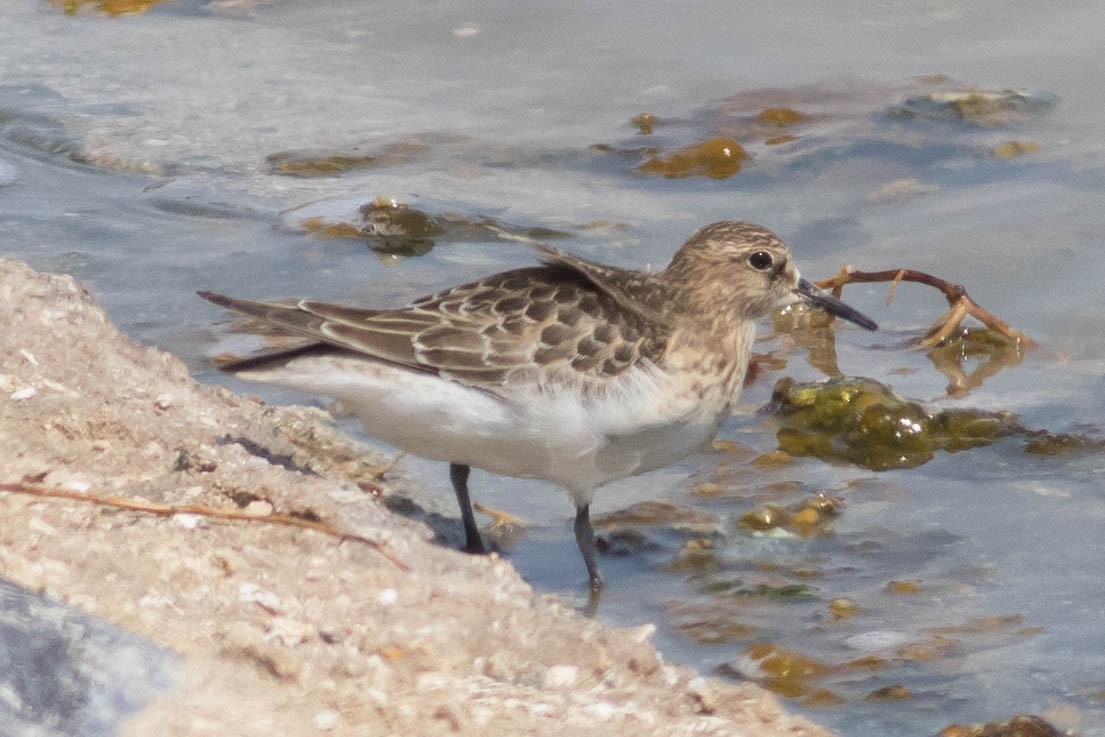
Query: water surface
[[133, 155]]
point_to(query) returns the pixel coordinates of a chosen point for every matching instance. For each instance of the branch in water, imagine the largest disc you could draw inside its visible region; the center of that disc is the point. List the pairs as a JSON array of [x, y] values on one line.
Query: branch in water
[[960, 303]]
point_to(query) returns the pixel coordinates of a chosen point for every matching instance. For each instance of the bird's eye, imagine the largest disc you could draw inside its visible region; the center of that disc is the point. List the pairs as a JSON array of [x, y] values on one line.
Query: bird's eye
[[760, 260]]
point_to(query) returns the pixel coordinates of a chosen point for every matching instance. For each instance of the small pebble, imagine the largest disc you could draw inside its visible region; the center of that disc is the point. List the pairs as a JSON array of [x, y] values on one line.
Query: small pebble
[[326, 720], [875, 640], [705, 692], [561, 676], [188, 521], [773, 459], [843, 608], [603, 711], [251, 592], [41, 526], [258, 508], [155, 601]]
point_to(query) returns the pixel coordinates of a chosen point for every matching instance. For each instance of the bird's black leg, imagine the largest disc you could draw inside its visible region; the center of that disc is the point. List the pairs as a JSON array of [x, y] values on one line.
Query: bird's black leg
[[458, 474], [585, 538]]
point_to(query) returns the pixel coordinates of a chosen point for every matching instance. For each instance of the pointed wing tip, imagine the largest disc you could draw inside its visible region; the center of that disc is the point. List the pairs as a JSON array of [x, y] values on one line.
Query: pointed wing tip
[[547, 253], [219, 299], [245, 306]]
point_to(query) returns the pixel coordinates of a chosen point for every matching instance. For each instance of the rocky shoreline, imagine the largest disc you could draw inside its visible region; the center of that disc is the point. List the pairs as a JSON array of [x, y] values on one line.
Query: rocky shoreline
[[284, 629]]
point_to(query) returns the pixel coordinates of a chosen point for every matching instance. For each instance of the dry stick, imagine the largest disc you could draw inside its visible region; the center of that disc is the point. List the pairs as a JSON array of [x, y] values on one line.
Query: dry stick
[[960, 302], [167, 510], [499, 517]]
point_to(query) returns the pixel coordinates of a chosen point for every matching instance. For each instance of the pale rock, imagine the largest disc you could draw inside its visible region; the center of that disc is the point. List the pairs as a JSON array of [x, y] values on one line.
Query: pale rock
[[561, 676]]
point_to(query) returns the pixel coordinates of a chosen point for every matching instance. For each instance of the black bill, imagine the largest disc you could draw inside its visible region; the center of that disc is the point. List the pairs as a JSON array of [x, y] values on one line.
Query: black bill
[[820, 298]]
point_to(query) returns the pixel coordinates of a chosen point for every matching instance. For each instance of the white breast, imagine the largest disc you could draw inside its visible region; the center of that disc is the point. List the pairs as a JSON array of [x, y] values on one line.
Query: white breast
[[644, 420]]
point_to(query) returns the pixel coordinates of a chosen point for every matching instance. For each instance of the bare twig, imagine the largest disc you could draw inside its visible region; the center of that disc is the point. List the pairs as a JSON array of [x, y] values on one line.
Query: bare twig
[[500, 518], [390, 464], [960, 302], [168, 510]]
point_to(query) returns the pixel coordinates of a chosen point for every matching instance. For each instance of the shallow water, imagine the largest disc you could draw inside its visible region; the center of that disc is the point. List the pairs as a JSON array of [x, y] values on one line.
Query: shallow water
[[132, 155]]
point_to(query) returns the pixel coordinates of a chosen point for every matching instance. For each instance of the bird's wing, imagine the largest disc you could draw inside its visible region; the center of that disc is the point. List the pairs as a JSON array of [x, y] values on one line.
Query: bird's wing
[[513, 325], [333, 325], [634, 291]]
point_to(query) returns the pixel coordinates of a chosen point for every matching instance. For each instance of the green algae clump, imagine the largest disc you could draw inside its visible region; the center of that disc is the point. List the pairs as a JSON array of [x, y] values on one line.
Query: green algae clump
[[717, 158], [860, 421], [111, 7], [781, 117], [316, 164], [395, 228], [644, 123], [806, 518], [981, 108]]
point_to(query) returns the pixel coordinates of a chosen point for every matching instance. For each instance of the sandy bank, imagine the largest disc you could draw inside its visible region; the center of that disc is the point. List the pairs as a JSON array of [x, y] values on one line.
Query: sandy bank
[[287, 631]]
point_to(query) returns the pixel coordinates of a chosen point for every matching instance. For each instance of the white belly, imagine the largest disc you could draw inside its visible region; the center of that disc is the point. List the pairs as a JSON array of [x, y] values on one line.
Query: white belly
[[578, 443]]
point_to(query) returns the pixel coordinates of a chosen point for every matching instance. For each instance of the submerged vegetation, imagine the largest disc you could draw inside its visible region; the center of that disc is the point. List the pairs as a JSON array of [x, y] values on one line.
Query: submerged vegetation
[[861, 421]]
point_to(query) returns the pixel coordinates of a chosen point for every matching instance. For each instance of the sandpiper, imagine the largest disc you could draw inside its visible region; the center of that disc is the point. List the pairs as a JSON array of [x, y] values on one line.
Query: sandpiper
[[572, 371]]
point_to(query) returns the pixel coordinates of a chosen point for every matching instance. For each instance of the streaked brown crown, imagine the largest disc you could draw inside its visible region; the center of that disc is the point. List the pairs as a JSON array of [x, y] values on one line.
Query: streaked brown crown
[[731, 268]]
